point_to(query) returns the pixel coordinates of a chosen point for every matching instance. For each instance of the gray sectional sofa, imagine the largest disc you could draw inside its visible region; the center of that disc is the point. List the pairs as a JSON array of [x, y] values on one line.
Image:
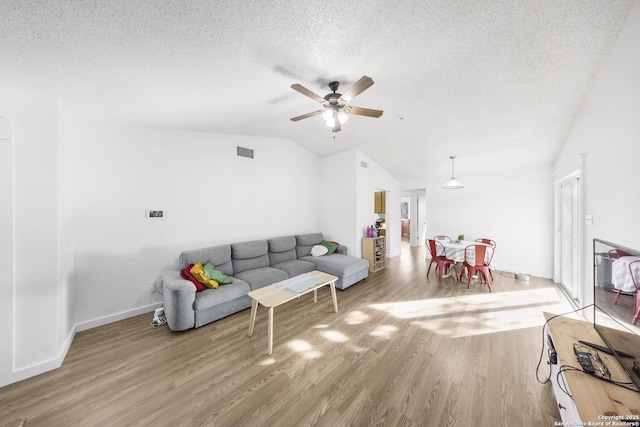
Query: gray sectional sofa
[[252, 265]]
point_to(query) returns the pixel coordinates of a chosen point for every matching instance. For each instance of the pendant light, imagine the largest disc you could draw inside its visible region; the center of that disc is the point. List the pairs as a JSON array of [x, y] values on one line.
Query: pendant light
[[452, 183]]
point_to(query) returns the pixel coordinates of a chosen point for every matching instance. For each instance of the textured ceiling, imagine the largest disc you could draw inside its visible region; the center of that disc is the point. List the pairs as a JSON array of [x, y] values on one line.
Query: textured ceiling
[[497, 83]]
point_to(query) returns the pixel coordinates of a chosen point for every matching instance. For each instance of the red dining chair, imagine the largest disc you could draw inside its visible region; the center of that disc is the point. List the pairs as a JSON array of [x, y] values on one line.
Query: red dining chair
[[475, 263], [619, 254], [636, 309], [442, 237], [441, 261], [487, 241], [493, 245]]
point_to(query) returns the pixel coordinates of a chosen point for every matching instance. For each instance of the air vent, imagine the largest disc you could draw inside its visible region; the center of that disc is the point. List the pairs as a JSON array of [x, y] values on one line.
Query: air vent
[[363, 164], [245, 152]]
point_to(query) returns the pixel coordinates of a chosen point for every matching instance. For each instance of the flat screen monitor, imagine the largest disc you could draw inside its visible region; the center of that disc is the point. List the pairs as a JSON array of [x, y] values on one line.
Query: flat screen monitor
[[615, 302]]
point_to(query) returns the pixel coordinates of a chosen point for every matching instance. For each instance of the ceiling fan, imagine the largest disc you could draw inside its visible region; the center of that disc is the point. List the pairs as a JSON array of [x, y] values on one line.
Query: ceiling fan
[[336, 111]]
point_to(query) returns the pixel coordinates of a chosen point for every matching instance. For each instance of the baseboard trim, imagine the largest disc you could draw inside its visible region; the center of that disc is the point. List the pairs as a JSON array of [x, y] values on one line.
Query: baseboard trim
[[46, 366], [51, 364], [101, 321]]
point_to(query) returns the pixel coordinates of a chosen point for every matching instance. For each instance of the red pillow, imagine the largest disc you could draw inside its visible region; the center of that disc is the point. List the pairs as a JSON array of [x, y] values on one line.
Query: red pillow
[[336, 251], [186, 274]]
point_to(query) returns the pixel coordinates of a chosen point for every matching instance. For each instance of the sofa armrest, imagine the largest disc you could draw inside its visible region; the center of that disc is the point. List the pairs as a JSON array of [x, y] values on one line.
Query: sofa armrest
[[179, 297], [342, 249]]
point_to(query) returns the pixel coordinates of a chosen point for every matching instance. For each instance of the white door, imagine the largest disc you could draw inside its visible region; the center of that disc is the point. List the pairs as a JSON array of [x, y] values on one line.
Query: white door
[[569, 236]]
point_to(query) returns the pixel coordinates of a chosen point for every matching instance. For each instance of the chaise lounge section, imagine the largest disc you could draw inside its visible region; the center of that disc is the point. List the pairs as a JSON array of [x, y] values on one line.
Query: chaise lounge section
[[251, 265]]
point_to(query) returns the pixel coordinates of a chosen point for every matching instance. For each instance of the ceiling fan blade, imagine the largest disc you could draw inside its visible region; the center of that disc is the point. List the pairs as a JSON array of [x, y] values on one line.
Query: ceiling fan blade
[[336, 126], [303, 90], [365, 112], [306, 116], [358, 87]]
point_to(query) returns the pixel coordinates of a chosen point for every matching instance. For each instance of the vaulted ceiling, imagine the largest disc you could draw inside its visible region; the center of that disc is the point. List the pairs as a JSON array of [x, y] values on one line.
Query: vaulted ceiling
[[498, 83]]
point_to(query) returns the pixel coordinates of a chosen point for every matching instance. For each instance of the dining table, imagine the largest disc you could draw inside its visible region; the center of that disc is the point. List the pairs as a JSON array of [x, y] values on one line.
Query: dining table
[[621, 273], [454, 250]]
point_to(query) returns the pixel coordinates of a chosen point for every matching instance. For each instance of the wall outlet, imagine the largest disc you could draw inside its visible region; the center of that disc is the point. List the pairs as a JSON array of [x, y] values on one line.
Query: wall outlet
[[151, 287]]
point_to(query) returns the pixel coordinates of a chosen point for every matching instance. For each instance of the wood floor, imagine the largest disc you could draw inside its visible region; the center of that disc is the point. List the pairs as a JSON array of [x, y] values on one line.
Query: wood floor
[[403, 351]]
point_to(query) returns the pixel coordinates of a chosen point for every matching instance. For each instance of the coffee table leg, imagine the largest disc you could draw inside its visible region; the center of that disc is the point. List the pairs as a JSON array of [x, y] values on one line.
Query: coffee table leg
[[270, 331], [333, 295], [315, 296], [252, 319]]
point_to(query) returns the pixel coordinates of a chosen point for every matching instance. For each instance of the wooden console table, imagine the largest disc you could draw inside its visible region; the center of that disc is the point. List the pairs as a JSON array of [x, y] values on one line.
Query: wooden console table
[[594, 400]]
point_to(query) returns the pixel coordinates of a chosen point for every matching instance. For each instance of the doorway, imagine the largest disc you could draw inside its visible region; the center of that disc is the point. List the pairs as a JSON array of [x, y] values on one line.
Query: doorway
[[413, 214], [569, 236]]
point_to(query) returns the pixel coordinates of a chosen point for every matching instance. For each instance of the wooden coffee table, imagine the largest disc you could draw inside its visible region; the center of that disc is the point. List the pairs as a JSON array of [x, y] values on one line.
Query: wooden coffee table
[[278, 293]]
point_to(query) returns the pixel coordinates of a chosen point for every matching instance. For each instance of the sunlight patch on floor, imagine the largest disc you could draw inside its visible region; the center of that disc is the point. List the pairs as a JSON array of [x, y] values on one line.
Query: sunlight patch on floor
[[357, 317], [384, 331], [477, 314], [300, 346], [482, 301], [464, 325], [305, 349], [267, 362], [335, 336]]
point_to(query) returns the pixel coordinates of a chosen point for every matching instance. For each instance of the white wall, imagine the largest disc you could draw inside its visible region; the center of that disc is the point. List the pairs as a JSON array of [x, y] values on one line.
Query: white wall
[[514, 208], [6, 248], [370, 179], [339, 201], [35, 326], [607, 132], [209, 196], [347, 198], [66, 221]]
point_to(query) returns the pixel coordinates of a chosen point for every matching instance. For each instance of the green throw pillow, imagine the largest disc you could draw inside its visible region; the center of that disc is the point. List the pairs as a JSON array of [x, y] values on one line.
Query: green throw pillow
[[330, 246], [217, 275]]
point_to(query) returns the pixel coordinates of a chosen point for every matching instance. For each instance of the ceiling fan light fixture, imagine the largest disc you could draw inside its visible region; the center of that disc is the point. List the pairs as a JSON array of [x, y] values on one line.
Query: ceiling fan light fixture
[[343, 117], [331, 122], [334, 104], [328, 114], [452, 183]]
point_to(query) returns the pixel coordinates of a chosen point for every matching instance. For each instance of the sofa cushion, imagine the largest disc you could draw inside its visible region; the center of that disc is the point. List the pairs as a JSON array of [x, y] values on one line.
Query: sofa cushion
[[338, 264], [281, 244], [319, 250], [282, 249], [249, 256], [263, 276], [295, 267], [304, 243], [220, 257], [223, 294], [332, 247]]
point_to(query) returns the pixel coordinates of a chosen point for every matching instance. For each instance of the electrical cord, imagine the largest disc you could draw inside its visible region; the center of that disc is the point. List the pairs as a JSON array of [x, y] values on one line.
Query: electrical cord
[[542, 349], [549, 350], [563, 385]]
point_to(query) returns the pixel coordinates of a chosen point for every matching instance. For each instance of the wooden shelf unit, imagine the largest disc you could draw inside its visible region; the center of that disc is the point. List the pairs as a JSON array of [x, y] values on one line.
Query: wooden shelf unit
[[374, 251], [592, 397]]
